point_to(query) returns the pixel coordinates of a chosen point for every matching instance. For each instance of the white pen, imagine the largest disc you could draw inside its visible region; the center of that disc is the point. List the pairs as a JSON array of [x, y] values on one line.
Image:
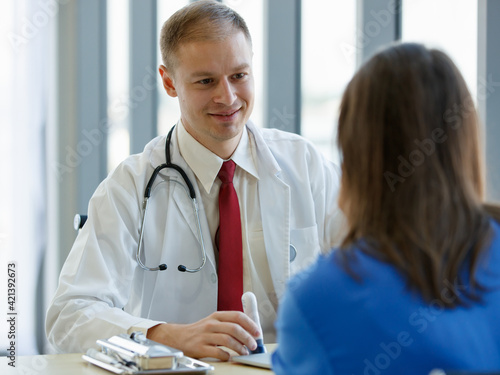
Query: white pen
[[250, 309]]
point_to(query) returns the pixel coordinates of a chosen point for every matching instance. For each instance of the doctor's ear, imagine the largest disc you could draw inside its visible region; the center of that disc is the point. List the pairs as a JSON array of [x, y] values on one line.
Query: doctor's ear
[[167, 80]]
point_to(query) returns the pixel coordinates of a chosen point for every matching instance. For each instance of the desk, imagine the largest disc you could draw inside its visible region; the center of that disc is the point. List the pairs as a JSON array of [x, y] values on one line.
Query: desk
[[73, 364]]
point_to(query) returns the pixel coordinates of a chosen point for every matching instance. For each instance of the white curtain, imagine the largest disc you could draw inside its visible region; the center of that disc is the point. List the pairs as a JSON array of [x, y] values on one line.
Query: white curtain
[[23, 104]]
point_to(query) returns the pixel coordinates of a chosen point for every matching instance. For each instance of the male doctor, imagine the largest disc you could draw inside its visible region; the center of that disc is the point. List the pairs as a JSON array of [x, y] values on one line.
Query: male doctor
[[286, 193]]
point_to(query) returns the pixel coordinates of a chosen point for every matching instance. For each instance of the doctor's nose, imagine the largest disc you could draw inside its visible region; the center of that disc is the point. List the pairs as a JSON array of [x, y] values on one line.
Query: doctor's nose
[[224, 93]]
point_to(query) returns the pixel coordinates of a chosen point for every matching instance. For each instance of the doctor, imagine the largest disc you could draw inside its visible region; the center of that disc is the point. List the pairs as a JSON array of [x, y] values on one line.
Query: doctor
[[286, 192]]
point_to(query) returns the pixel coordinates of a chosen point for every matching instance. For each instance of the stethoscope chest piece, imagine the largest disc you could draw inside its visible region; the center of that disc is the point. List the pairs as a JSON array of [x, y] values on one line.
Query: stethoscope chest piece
[[293, 253]]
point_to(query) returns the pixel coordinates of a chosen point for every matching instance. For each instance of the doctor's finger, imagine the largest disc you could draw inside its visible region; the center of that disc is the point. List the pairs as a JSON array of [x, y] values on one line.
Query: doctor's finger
[[227, 341], [211, 351], [239, 318], [231, 335]]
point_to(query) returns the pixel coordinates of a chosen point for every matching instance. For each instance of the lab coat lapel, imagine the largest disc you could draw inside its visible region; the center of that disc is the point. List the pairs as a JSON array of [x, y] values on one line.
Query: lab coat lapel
[[274, 196], [180, 198], [275, 206], [181, 201]]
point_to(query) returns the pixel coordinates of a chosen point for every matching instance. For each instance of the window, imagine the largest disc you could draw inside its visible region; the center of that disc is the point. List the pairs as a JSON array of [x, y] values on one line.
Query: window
[[118, 82], [26, 27], [328, 34], [168, 107], [6, 153], [450, 25]]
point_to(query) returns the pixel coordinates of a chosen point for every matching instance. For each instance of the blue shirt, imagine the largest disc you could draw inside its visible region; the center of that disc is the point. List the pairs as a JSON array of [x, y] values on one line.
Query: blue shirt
[[329, 323]]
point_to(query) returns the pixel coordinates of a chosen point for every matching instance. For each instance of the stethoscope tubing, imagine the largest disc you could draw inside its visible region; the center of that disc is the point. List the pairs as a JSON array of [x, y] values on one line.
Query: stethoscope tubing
[[191, 194]]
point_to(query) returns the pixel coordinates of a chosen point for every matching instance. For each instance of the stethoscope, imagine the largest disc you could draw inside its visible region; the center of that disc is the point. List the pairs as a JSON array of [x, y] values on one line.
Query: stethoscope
[[191, 194]]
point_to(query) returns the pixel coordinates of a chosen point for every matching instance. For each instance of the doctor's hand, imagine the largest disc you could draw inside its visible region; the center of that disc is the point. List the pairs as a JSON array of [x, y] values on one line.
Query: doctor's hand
[[231, 329]]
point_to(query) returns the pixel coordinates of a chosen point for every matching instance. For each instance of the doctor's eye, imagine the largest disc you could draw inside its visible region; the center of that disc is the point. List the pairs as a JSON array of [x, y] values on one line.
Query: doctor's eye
[[205, 81], [239, 75]]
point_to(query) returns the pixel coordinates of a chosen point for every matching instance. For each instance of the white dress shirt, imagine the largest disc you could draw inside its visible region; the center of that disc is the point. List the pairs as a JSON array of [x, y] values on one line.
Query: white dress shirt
[[206, 165]]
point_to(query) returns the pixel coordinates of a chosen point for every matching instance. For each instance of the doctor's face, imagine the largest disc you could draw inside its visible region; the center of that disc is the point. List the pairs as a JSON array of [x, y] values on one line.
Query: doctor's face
[[214, 83]]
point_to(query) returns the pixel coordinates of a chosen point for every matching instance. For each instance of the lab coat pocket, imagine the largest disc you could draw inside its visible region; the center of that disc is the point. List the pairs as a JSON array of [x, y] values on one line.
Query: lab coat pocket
[[304, 248]]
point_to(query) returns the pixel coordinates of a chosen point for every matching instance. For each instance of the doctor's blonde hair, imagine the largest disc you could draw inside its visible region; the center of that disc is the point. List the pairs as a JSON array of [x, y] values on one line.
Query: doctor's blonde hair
[[199, 21], [412, 171]]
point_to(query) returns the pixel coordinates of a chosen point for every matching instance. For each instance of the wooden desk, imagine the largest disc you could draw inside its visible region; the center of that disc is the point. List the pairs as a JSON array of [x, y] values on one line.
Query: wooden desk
[[73, 364]]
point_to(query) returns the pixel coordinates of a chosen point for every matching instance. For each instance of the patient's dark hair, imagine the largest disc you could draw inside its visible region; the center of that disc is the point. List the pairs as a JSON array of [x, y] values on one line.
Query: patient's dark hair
[[412, 171]]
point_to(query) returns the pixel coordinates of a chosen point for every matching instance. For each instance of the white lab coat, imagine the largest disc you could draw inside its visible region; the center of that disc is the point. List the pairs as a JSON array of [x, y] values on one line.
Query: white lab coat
[[102, 290]]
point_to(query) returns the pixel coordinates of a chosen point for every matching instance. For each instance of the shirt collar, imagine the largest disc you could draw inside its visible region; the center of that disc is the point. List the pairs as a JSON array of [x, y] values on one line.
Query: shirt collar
[[206, 165]]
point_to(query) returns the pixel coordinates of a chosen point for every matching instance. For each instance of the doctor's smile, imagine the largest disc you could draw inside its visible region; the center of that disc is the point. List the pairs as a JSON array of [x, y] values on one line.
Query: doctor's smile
[[227, 116]]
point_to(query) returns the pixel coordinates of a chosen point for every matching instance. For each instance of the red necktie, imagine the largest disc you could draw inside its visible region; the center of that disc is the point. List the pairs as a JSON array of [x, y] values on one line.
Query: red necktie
[[230, 266]]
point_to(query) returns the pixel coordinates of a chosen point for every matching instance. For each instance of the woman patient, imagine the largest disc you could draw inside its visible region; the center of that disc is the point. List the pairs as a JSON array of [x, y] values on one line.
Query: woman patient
[[415, 284]]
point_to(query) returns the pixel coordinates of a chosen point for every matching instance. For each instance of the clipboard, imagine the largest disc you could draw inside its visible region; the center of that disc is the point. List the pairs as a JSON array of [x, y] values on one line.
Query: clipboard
[[137, 355]]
